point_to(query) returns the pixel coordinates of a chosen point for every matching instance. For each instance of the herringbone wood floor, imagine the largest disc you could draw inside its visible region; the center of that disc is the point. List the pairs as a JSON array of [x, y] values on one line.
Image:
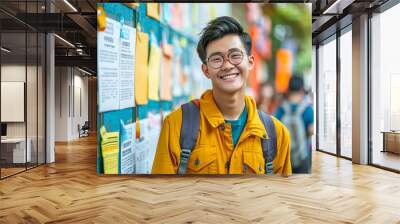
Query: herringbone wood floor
[[70, 191]]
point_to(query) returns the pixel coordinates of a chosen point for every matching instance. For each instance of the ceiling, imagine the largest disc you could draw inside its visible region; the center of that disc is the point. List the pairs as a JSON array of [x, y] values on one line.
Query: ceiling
[[331, 15], [72, 20], [76, 23]]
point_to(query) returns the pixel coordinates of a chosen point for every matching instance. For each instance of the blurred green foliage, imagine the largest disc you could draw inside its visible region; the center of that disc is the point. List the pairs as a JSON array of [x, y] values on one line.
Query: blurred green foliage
[[291, 21]]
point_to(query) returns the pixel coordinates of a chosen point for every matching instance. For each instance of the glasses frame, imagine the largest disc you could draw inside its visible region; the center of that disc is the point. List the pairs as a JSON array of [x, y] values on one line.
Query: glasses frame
[[226, 58]]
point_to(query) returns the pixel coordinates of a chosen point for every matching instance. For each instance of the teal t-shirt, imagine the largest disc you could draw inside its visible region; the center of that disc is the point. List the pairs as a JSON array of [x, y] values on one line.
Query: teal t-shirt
[[238, 126]]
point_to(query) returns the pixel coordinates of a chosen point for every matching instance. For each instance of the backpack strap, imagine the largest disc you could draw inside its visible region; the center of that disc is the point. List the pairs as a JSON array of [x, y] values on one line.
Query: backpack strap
[[286, 108], [268, 145], [189, 132], [301, 108]]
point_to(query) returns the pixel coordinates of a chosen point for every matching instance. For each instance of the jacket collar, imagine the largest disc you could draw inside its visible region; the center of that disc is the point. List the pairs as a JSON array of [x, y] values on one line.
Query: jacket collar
[[209, 109]]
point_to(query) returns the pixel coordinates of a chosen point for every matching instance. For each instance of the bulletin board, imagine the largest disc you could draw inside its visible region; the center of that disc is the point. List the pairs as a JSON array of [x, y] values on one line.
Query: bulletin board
[[130, 122]]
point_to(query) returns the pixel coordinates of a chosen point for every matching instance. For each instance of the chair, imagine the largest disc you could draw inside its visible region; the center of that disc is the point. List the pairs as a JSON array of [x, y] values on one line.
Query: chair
[[84, 130]]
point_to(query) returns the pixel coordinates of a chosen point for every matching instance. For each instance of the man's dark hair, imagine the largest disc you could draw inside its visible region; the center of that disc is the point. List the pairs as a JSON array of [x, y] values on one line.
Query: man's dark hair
[[296, 84], [218, 28]]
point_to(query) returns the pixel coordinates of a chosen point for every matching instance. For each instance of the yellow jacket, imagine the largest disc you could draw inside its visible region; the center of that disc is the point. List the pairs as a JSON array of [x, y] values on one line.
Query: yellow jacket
[[214, 145]]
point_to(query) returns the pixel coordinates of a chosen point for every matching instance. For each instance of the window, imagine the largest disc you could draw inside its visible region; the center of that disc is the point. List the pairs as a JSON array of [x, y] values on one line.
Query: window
[[385, 88], [327, 96], [346, 94]]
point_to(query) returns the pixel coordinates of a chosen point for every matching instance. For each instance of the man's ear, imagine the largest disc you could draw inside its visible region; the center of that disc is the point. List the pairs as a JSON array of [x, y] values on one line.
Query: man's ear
[[204, 68], [251, 62]]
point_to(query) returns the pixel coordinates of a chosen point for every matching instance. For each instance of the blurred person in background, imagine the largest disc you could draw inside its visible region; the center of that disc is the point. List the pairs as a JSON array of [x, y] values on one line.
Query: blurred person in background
[[296, 112], [267, 101]]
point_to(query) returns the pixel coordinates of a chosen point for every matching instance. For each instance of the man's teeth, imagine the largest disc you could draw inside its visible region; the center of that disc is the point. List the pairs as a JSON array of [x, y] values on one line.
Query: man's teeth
[[229, 76]]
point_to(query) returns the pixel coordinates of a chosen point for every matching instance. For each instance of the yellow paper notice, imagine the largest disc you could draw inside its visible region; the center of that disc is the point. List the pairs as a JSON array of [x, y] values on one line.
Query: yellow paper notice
[[141, 72], [154, 72]]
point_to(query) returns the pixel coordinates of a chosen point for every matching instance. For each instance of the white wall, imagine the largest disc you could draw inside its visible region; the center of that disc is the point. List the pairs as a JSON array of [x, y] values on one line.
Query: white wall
[[71, 87], [62, 82], [16, 73], [79, 117]]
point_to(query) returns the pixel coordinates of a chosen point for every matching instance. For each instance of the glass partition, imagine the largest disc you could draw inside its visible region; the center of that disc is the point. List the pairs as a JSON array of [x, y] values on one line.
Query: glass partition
[[327, 96], [22, 64], [13, 105]]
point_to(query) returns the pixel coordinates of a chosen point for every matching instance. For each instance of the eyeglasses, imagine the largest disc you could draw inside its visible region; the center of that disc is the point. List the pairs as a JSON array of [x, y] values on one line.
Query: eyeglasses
[[234, 57]]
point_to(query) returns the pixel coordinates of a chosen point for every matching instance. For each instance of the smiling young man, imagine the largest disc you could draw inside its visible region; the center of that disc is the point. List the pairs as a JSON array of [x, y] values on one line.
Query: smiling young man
[[230, 135]]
